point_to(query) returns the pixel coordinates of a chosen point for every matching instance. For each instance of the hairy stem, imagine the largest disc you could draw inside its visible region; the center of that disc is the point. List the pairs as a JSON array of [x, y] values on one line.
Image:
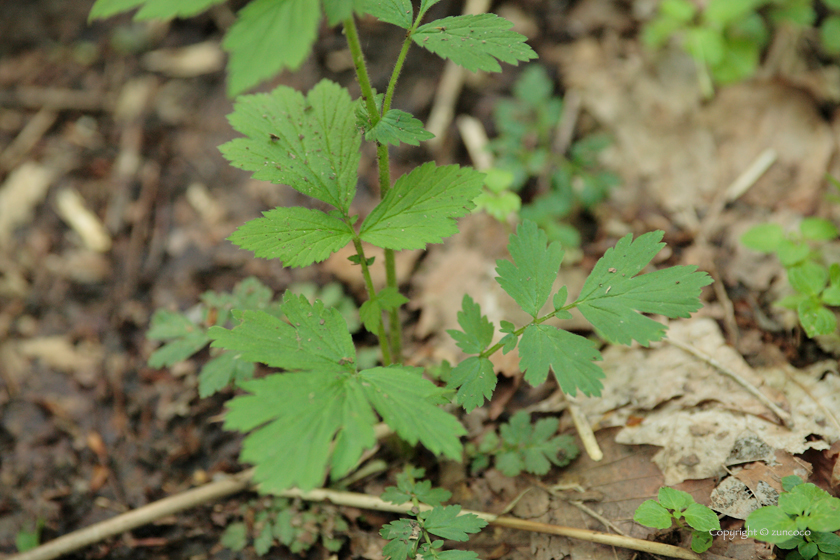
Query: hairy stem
[[371, 290], [395, 327]]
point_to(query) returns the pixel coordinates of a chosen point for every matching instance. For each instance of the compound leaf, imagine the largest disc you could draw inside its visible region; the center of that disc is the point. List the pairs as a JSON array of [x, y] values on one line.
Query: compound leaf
[[448, 523], [475, 380], [474, 41], [267, 36], [151, 9], [398, 126], [529, 278], [166, 325], [317, 339], [291, 445], [569, 355], [532, 447], [422, 206], [296, 236], [396, 12], [218, 373], [613, 296], [179, 349], [385, 300], [309, 143], [477, 330], [407, 403]]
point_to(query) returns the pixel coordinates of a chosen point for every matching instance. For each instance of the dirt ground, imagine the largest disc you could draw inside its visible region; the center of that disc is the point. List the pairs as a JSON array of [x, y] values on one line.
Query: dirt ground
[[99, 120]]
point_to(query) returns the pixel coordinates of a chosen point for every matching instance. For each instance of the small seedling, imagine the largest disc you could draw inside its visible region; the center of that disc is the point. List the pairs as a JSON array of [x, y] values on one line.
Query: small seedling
[[804, 522], [415, 537], [676, 506], [816, 283], [522, 446], [566, 183]]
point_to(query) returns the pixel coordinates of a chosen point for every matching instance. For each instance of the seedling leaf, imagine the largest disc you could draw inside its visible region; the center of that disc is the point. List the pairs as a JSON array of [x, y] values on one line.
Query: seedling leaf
[[532, 448], [296, 236], [151, 9], [269, 35], [701, 518], [475, 380], [701, 541], [446, 522], [673, 499], [651, 514], [773, 518], [398, 126], [529, 278], [474, 41], [422, 206], [311, 144], [613, 296], [569, 355], [764, 238]]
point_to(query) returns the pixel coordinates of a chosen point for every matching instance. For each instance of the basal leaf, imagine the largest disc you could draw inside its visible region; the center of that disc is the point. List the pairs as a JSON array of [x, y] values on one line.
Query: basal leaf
[[569, 355], [309, 143], [398, 126], [475, 380], [291, 444], [268, 36], [533, 447], [219, 372], [674, 499], [477, 331], [474, 41], [396, 12], [296, 236], [613, 296], [780, 524], [385, 300], [407, 403], [448, 523], [701, 518], [651, 514], [317, 339], [529, 278], [151, 9], [422, 206]]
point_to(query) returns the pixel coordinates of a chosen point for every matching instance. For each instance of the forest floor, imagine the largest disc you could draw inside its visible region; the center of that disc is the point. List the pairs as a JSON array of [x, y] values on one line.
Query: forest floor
[[104, 120]]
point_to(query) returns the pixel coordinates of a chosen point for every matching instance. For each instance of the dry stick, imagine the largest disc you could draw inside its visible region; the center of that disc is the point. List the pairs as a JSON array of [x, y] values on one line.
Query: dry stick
[[34, 130], [584, 430], [785, 417], [242, 481]]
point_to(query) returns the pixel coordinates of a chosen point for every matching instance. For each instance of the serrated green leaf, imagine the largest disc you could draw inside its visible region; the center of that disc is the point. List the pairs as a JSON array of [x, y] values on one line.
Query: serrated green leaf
[[385, 300], [339, 10], [673, 499], [422, 206], [560, 299], [570, 356], [264, 540], [395, 12], [529, 278], [406, 401], [475, 380], [400, 533], [151, 9], [296, 236], [268, 36], [477, 331], [311, 144], [474, 41], [808, 278], [219, 372], [613, 296], [425, 5], [651, 514], [700, 541], [178, 350], [235, 536], [764, 238], [317, 339], [701, 518], [398, 126], [166, 325], [428, 495], [448, 523], [779, 524], [498, 205], [532, 447]]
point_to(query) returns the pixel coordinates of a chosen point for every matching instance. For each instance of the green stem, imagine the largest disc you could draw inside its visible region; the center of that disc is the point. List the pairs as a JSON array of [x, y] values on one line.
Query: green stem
[[395, 75], [395, 338], [383, 340], [518, 332]]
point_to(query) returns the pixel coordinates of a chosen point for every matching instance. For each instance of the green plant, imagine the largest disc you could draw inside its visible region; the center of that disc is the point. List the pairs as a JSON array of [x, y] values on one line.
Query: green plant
[[294, 524], [524, 149], [676, 506], [413, 538], [521, 446], [816, 283], [27, 540], [316, 415], [804, 522]]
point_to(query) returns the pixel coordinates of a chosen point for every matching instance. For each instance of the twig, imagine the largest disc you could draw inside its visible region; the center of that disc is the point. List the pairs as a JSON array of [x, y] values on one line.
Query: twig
[[584, 430], [475, 139], [242, 481], [57, 99], [565, 131], [785, 417], [34, 130]]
